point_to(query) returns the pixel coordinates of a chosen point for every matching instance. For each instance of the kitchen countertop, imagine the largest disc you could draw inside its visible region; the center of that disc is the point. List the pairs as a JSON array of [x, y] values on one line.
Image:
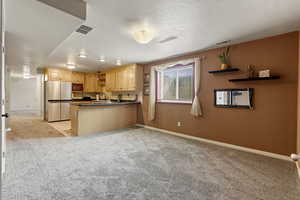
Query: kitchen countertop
[[95, 103]]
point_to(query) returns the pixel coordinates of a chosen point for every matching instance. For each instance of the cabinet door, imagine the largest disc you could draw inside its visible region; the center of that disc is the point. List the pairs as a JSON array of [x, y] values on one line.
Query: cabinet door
[[94, 82], [87, 83], [81, 77], [98, 83], [74, 77], [77, 77], [66, 75], [53, 74], [110, 81], [121, 80], [91, 82], [131, 78]]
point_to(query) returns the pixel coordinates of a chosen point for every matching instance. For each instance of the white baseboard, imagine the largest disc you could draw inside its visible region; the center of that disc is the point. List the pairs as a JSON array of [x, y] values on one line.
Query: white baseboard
[[264, 153]]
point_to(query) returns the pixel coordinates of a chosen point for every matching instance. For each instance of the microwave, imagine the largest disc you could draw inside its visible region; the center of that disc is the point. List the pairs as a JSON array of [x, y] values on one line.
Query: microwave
[[77, 87]]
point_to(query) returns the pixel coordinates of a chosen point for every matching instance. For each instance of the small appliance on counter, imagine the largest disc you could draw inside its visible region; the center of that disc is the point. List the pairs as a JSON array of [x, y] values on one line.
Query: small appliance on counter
[[58, 99]]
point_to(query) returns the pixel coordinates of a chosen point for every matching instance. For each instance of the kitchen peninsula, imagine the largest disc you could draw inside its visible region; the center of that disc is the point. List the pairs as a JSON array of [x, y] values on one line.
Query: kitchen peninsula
[[95, 117]]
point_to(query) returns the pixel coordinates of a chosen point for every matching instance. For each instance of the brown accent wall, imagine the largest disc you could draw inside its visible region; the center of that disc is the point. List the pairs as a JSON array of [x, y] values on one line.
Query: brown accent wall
[[271, 126], [298, 120]]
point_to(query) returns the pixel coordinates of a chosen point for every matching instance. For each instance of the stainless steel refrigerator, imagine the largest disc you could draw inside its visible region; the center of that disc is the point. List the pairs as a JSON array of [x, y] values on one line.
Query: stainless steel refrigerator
[[58, 99]]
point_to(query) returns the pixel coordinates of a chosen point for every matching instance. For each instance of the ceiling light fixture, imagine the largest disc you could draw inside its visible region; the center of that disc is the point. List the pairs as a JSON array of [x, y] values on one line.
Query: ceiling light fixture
[[143, 35], [118, 62], [71, 66]]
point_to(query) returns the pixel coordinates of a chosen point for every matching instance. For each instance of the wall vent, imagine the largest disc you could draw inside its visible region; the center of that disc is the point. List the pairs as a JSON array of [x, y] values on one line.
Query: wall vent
[[168, 39], [223, 42], [84, 29]]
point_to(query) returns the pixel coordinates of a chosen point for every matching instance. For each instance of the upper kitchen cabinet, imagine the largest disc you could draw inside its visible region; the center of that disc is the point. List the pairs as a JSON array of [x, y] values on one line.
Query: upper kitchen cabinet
[[134, 78], [91, 82], [54, 74], [125, 78], [110, 80], [66, 75], [78, 77]]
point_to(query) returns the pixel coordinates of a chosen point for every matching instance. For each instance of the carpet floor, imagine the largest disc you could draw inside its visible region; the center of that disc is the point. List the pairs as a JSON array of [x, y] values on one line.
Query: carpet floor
[[140, 164]]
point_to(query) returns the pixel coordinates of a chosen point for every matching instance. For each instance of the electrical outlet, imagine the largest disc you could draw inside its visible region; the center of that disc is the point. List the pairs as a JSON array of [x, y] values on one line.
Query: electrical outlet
[[178, 124]]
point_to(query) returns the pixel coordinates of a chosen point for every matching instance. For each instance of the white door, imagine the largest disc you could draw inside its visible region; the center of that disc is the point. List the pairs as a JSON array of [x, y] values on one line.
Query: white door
[[2, 95]]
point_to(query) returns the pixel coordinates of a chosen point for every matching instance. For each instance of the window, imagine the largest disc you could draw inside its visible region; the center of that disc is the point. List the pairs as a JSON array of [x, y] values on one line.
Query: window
[[175, 84]]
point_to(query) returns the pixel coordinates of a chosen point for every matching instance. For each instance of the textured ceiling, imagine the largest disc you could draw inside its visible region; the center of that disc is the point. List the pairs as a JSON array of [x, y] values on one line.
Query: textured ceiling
[[197, 24], [33, 29]]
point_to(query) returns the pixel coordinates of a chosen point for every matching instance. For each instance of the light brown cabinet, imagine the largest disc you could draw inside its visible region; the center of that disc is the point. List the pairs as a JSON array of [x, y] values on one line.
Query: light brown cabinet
[[134, 78], [66, 75], [94, 120], [110, 80], [91, 82], [121, 80], [126, 78], [54, 74], [78, 77]]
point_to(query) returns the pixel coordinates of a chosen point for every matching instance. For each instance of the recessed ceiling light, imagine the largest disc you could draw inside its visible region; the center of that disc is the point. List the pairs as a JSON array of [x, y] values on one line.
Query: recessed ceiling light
[[26, 71], [101, 59], [82, 55], [26, 76], [71, 66], [118, 62]]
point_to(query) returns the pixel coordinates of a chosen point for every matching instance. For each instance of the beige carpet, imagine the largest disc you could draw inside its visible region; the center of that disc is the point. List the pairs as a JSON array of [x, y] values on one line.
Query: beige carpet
[[137, 164], [30, 127]]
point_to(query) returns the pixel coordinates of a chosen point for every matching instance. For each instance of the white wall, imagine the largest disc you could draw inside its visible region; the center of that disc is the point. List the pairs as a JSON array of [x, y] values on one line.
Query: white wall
[[26, 95]]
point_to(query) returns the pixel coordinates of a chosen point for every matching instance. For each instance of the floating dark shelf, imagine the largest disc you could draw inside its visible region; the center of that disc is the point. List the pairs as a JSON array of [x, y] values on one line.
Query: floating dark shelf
[[224, 71], [254, 79]]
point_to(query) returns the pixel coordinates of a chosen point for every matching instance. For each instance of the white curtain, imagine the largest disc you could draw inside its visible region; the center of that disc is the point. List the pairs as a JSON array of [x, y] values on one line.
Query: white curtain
[[152, 95], [196, 107]]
